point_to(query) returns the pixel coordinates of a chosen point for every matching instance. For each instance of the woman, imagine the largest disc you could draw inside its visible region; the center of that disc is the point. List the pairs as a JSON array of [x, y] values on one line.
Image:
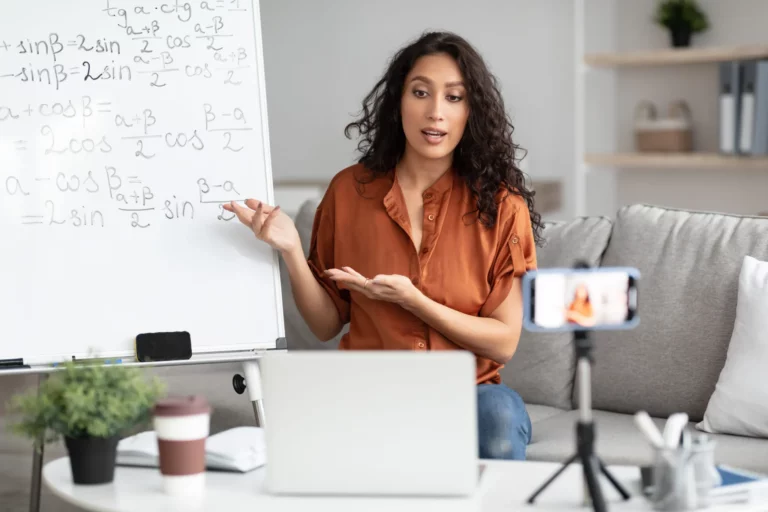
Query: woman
[[421, 245], [580, 309]]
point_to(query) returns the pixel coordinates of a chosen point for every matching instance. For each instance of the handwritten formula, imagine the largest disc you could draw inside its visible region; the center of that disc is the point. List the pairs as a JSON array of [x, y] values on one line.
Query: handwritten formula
[[129, 115]]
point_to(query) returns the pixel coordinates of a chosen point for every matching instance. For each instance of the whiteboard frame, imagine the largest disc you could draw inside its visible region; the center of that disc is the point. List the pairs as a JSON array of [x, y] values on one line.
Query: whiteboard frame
[[236, 352], [262, 84]]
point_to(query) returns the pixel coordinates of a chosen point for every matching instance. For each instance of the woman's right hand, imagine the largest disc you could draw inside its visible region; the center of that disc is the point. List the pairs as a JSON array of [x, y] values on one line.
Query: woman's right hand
[[269, 224]]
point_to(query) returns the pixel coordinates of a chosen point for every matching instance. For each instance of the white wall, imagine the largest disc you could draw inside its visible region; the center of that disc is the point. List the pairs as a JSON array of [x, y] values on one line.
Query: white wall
[[736, 191], [322, 57]]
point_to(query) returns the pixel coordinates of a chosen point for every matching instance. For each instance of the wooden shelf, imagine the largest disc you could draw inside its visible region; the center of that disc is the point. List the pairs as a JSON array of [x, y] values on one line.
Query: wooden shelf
[[695, 161], [670, 56]]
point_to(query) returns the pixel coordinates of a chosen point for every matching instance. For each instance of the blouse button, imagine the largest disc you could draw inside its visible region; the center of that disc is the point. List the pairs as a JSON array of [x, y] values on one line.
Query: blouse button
[[515, 240], [421, 344], [431, 217], [428, 195]]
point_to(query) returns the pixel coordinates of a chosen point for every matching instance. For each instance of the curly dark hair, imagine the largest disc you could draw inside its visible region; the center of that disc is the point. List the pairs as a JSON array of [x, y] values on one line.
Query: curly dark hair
[[486, 157]]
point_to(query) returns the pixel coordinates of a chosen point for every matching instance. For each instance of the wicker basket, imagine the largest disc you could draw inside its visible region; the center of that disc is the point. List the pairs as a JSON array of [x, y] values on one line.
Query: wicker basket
[[670, 134]]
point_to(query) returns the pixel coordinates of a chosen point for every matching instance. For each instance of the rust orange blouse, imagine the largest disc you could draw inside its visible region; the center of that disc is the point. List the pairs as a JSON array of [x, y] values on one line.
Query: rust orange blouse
[[461, 264]]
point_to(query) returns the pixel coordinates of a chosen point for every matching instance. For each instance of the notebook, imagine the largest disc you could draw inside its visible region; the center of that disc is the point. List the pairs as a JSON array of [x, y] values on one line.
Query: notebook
[[239, 449], [734, 480]]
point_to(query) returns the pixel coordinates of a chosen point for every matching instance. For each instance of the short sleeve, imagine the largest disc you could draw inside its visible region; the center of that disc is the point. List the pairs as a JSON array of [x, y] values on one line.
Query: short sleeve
[[321, 254], [516, 254]]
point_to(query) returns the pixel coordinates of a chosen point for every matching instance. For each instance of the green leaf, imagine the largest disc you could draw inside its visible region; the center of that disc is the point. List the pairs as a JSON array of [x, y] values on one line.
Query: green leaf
[[679, 14], [85, 399]]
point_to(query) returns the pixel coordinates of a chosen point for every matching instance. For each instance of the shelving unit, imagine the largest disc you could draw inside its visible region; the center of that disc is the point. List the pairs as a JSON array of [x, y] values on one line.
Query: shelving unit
[[596, 104], [677, 56]]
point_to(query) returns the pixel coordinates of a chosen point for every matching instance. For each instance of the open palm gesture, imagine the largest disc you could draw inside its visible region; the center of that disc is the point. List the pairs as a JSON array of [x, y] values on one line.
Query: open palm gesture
[[269, 224]]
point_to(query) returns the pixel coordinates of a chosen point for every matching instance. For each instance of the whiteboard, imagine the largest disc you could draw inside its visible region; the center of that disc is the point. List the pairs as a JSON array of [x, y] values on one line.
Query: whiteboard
[[124, 126]]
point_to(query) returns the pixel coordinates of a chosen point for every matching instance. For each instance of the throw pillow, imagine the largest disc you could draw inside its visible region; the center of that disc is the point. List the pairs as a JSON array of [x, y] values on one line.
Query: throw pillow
[[739, 404]]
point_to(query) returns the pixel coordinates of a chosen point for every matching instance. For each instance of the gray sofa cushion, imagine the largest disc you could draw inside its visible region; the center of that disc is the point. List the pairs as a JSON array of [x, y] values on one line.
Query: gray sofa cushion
[[618, 441], [542, 368], [689, 264]]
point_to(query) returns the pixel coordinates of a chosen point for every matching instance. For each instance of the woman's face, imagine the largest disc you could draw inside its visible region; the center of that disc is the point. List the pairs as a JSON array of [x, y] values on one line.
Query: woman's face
[[581, 292], [434, 107]]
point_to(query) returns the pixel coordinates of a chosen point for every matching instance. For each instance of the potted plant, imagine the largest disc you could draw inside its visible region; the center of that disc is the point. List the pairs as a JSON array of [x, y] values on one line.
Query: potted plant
[[91, 406], [682, 18]]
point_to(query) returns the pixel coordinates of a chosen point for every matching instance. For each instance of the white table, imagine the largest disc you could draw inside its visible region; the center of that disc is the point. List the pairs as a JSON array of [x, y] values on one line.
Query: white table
[[504, 487]]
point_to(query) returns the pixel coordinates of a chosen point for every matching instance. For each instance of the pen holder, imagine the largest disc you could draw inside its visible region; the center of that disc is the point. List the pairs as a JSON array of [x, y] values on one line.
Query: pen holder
[[683, 476]]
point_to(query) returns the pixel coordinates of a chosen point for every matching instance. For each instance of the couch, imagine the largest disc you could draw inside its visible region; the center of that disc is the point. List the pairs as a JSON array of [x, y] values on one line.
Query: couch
[[689, 262]]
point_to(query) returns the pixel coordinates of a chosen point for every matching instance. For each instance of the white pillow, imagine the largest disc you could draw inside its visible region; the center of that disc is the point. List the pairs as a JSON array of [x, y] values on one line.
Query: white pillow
[[739, 404]]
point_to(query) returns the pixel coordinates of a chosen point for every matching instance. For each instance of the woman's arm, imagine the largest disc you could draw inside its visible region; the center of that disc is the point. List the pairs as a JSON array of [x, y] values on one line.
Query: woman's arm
[[313, 302], [494, 337], [272, 226]]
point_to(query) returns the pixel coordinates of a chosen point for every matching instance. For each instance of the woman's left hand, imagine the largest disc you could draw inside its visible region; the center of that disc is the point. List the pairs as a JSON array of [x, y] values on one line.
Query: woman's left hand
[[391, 288]]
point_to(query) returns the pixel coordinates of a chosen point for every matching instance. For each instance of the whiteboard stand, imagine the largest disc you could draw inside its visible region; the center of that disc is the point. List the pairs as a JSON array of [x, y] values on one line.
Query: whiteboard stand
[[251, 370], [252, 375], [37, 463]]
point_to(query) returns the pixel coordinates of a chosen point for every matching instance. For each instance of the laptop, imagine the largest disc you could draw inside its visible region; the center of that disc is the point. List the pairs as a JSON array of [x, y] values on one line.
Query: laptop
[[397, 423]]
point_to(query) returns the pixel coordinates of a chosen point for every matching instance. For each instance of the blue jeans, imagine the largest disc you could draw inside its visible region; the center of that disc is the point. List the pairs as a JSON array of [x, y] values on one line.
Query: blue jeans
[[504, 426]]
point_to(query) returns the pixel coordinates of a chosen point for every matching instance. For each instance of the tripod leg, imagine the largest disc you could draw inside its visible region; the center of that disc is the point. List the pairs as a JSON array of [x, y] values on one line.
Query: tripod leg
[[612, 479], [553, 477], [591, 470]]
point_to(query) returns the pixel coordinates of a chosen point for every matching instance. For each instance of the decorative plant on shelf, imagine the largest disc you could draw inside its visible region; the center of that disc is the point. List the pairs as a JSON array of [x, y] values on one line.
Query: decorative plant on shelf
[[682, 18], [91, 406]]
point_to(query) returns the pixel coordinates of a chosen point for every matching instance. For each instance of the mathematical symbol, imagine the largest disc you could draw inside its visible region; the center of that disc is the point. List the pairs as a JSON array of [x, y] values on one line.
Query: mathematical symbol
[[7, 76], [31, 219], [28, 110], [4, 46], [21, 145], [136, 119]]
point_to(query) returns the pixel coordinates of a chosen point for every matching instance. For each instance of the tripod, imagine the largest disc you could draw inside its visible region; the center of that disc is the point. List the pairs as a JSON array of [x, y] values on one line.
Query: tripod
[[585, 432]]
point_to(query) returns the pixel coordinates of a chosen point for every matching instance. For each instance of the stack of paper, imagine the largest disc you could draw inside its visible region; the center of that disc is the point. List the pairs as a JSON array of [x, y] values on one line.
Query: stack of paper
[[240, 449]]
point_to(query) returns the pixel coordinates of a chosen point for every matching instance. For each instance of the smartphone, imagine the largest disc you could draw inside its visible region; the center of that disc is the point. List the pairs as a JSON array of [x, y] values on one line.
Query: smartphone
[[580, 299]]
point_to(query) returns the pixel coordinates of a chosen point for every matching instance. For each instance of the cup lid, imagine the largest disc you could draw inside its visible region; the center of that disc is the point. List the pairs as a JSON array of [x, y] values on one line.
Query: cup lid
[[182, 406]]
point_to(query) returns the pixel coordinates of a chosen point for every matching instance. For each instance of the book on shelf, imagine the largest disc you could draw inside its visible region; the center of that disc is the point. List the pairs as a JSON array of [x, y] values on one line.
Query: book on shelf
[[239, 449]]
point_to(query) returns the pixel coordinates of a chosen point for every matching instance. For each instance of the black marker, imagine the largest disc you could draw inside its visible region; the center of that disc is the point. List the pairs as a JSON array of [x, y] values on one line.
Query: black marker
[[6, 364]]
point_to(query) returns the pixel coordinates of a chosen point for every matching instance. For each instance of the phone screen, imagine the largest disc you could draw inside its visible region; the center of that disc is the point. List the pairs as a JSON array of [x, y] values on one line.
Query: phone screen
[[575, 300]]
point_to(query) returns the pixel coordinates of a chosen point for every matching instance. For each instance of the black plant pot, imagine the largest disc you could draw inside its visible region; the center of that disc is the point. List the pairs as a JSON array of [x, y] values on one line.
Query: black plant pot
[[681, 37], [92, 459]]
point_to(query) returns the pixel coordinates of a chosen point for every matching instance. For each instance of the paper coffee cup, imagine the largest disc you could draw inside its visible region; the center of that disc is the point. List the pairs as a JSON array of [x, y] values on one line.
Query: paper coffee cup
[[182, 425]]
